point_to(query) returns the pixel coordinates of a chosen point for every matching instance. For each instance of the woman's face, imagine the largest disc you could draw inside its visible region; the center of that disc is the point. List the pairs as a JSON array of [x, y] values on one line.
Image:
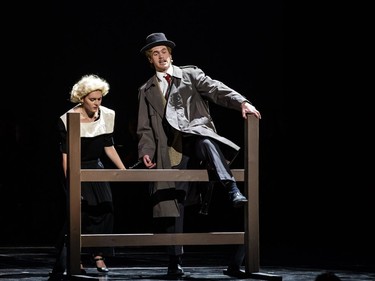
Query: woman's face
[[92, 101]]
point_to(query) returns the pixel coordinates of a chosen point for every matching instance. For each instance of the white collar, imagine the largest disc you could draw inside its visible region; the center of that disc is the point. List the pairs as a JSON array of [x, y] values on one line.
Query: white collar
[[161, 75], [104, 125]]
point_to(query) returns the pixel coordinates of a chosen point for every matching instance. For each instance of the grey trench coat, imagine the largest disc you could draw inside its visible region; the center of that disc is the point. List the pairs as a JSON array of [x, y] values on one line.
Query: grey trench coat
[[186, 111]]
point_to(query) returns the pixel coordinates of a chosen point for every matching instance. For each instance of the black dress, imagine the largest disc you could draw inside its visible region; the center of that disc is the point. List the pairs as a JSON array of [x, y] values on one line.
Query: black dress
[[97, 204]]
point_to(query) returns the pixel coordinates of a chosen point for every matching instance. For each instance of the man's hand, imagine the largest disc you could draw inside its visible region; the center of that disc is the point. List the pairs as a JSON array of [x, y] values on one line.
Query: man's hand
[[148, 162], [248, 108]]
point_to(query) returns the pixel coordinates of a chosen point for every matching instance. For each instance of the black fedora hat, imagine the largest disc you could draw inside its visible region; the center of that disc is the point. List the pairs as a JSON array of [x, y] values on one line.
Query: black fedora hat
[[157, 39]]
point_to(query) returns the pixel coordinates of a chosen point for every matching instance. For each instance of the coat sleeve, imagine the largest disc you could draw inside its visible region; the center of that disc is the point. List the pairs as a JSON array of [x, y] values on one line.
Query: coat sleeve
[[216, 91], [146, 140]]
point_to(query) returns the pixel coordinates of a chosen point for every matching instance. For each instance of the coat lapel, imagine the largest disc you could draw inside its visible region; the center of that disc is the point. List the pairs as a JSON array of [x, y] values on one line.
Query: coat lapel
[[155, 96]]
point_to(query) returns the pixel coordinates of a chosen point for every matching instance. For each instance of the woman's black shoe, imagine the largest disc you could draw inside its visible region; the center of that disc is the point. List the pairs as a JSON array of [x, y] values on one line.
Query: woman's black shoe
[[83, 271], [100, 269]]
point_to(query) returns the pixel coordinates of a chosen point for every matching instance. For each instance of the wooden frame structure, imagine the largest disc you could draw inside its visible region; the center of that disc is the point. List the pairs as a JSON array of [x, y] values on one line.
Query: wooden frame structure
[[248, 175]]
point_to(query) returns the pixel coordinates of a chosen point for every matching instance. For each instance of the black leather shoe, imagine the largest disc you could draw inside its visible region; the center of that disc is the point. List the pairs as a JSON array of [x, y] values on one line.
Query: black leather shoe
[[235, 272], [57, 276], [175, 270], [237, 199]]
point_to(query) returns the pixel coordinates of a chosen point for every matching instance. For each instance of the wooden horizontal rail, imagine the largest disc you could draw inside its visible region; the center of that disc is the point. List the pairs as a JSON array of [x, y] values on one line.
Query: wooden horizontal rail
[[146, 175], [151, 239]]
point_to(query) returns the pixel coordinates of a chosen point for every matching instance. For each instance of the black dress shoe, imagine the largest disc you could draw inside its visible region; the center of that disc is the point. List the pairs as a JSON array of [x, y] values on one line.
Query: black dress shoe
[[235, 272], [237, 199], [57, 276], [175, 270]]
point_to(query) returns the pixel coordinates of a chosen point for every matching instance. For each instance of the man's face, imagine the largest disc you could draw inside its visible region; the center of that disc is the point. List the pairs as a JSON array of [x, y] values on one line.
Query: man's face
[[160, 58]]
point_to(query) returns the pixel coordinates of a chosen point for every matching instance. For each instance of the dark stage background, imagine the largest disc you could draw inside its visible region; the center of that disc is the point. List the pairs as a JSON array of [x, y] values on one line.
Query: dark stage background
[[315, 197]]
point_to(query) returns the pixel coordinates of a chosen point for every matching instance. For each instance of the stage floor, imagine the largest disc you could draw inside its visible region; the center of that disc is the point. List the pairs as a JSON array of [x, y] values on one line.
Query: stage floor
[[35, 264]]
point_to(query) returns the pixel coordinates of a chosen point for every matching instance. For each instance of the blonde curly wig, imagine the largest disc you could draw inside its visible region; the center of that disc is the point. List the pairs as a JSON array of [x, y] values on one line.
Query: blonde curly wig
[[86, 85]]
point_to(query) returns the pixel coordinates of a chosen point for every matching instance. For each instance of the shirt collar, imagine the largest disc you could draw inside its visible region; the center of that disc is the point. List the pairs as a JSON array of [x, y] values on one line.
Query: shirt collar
[[161, 75]]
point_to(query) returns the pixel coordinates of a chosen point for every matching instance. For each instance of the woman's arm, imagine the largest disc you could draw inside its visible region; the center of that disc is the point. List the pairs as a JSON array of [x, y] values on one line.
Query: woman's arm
[[65, 162], [115, 158]]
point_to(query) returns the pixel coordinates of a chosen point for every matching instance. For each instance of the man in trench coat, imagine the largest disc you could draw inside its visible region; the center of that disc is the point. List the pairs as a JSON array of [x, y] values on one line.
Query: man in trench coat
[[175, 130]]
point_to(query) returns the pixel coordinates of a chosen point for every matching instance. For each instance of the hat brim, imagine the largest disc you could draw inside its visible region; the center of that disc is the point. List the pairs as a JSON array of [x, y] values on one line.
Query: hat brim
[[158, 43]]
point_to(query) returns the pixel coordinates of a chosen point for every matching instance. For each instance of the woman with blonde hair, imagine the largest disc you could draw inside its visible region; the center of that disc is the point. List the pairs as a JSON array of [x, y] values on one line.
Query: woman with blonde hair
[[97, 128]]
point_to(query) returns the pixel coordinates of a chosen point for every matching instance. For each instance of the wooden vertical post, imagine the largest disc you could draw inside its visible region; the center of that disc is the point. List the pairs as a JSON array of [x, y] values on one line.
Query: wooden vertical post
[[74, 194], [251, 187]]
